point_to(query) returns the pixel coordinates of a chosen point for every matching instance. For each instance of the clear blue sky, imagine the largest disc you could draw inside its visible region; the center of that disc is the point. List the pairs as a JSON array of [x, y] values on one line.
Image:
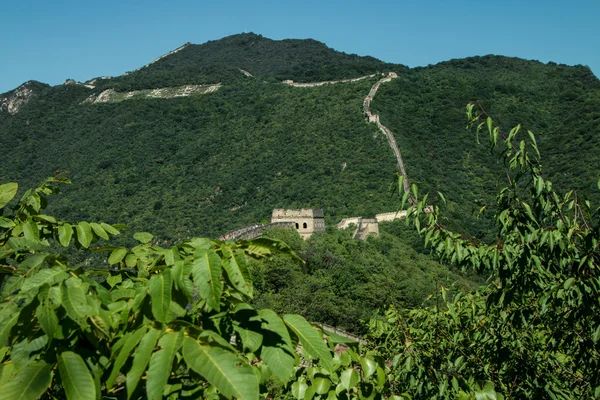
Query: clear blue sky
[[51, 41]]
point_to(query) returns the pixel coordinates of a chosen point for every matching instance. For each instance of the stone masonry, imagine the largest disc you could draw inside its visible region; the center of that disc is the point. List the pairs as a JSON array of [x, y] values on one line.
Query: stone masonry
[[306, 221]]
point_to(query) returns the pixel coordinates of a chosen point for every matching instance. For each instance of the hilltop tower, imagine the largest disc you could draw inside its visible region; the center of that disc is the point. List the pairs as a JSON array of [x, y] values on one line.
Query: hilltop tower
[[306, 221]]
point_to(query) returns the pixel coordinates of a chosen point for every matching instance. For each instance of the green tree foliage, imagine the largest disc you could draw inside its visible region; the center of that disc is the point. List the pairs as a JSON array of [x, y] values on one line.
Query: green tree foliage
[[154, 323], [423, 107], [534, 330], [343, 281], [257, 144], [221, 60], [206, 164]]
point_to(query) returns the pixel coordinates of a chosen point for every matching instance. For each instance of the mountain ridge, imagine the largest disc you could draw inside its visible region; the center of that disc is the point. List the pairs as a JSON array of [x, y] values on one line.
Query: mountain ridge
[[246, 40], [222, 160]]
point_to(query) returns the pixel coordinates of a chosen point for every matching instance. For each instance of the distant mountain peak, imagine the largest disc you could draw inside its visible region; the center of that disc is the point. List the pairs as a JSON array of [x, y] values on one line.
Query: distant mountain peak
[[13, 100]]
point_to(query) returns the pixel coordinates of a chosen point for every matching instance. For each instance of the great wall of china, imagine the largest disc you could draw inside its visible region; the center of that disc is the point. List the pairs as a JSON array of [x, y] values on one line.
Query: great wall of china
[[386, 131], [314, 84], [363, 226], [254, 231]]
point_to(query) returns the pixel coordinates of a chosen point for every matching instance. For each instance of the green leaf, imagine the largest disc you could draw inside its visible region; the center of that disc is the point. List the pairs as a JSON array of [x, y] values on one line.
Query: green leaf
[[595, 335], [9, 316], [568, 283], [311, 339], [349, 378], [65, 232], [277, 350], [76, 377], [7, 192], [400, 183], [321, 385], [141, 357], [228, 372], [47, 319], [251, 339], [32, 262], [442, 197], [114, 279], [161, 364], [31, 231], [143, 237], [117, 255], [415, 190], [29, 383], [490, 124], [131, 260], [299, 389], [47, 218], [368, 366], [237, 272], [45, 277], [6, 223], [206, 270], [35, 202], [109, 228], [160, 287], [98, 230], [170, 256], [181, 277], [73, 297], [7, 370], [84, 234], [266, 246]]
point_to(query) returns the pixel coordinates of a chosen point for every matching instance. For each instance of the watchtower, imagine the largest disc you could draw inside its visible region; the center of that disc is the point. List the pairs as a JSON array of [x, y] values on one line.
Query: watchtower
[[306, 220]]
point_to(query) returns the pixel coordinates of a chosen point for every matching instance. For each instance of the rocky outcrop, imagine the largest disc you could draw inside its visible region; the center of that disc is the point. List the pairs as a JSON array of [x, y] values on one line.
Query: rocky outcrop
[[12, 101], [161, 57]]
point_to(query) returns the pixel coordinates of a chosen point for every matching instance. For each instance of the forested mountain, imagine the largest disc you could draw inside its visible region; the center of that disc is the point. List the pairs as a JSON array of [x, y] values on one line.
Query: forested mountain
[[212, 137], [220, 60], [205, 164]]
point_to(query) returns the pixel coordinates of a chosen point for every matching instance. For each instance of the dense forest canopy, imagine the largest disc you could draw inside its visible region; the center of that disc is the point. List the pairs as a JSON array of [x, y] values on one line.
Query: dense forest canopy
[[225, 159], [504, 304]]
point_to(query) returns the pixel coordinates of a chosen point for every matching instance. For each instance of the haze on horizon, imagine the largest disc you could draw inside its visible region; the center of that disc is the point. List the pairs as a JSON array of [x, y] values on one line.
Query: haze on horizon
[[54, 41]]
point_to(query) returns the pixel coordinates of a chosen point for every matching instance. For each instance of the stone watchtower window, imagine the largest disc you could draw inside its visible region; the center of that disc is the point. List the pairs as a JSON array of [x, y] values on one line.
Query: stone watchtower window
[[297, 226], [304, 225]]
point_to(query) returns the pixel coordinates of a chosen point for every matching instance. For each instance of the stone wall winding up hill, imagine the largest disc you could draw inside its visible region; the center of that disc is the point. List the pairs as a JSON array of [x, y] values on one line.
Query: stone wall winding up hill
[[374, 118], [254, 231], [314, 84], [112, 96]]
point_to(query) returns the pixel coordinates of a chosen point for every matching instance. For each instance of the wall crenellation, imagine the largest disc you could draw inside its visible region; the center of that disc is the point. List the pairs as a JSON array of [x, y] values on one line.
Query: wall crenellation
[[253, 231], [306, 220], [309, 220]]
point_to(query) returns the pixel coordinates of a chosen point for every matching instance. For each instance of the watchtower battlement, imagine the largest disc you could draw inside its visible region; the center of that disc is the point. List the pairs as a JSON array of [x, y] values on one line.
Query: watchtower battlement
[[306, 220], [363, 226]]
